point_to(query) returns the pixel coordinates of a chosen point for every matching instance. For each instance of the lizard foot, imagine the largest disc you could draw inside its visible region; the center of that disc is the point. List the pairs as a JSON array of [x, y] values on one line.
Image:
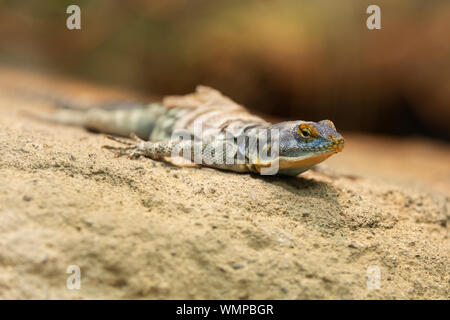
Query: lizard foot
[[132, 149]]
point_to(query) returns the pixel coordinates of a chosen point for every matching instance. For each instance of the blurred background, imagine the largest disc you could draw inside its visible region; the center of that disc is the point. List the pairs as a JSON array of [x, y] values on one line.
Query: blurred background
[[294, 59]]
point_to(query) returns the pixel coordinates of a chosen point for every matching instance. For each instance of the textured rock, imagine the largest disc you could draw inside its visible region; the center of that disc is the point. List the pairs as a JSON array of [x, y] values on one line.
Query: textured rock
[[144, 229]]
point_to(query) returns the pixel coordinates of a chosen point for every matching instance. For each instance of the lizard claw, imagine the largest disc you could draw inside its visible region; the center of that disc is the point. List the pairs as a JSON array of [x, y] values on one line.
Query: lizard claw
[[130, 150], [134, 154], [135, 137], [120, 140], [121, 151]]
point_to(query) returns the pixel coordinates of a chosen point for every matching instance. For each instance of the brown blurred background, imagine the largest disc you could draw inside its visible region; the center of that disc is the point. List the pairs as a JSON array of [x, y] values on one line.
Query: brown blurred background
[[296, 59]]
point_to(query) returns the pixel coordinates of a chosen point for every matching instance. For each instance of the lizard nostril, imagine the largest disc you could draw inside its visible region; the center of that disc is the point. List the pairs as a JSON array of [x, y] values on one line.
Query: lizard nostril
[[338, 144]]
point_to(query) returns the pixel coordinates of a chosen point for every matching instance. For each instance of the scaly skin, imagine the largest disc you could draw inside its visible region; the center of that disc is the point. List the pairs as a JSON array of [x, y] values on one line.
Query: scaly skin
[[298, 152], [231, 137]]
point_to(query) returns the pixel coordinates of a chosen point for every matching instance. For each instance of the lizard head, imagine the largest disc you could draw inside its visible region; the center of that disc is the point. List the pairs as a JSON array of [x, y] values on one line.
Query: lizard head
[[303, 144]]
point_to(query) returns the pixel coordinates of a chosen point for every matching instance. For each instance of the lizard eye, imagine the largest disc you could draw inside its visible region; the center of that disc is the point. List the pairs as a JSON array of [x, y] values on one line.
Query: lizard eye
[[305, 133]]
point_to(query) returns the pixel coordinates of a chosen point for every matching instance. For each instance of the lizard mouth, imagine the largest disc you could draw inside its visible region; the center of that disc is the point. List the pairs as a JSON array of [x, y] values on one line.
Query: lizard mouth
[[311, 156], [316, 155]]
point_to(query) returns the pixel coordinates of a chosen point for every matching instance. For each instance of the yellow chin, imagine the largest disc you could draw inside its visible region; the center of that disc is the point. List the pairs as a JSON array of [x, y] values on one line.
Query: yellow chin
[[301, 163], [286, 163]]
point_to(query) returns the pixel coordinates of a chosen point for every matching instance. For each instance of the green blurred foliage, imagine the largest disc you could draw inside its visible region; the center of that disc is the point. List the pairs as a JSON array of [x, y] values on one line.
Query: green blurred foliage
[[288, 58]]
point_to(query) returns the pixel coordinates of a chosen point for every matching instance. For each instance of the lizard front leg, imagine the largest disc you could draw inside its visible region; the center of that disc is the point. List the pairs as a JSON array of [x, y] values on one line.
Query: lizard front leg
[[220, 154], [138, 147]]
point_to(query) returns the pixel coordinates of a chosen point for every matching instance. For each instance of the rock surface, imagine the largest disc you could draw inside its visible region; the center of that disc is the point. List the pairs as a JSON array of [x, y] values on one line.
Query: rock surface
[[145, 229]]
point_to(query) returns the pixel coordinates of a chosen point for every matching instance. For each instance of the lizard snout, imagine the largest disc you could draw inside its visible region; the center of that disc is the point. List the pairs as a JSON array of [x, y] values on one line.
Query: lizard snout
[[338, 144]]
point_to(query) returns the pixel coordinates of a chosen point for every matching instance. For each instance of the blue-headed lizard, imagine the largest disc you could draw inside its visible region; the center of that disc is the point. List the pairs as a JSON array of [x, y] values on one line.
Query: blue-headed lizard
[[300, 144]]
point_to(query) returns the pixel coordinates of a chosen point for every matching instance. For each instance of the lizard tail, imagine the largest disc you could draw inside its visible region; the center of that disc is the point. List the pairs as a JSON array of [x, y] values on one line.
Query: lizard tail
[[66, 117], [120, 120], [116, 117], [65, 101], [57, 99]]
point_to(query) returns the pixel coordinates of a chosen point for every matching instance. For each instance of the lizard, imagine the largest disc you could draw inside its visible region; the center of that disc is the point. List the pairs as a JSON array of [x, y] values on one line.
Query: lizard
[[162, 130]]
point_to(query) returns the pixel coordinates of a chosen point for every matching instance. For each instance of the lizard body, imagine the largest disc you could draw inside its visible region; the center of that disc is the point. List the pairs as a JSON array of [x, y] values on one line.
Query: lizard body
[[209, 129]]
